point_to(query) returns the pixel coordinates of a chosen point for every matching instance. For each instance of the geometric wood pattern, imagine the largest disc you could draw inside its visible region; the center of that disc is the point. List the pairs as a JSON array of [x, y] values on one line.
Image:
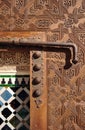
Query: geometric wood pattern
[[66, 88], [62, 21], [42, 15], [66, 95]]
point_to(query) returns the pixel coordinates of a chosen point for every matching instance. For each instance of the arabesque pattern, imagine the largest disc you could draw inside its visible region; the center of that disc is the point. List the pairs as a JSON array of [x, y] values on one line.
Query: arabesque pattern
[[66, 91], [51, 15], [62, 21], [66, 96]]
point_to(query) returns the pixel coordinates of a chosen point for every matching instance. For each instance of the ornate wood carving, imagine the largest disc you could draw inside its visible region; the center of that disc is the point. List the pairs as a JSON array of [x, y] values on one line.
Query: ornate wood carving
[[66, 88], [17, 15], [12, 57], [62, 21]]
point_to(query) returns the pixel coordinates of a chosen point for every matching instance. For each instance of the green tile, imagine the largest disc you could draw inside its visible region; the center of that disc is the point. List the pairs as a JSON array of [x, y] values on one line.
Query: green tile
[[23, 113], [14, 121]]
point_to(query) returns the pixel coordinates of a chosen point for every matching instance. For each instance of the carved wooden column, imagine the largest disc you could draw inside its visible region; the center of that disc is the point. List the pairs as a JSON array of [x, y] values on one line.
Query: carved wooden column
[[38, 92]]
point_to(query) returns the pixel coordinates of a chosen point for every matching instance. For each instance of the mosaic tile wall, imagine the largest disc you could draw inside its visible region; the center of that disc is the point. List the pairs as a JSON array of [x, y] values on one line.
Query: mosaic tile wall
[[14, 102]]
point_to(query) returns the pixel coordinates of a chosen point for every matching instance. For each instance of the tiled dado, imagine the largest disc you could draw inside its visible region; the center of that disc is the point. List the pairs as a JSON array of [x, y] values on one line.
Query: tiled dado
[[14, 80], [14, 102]]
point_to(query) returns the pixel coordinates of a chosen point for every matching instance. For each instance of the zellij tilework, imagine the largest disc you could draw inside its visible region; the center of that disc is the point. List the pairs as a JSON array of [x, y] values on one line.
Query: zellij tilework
[[14, 102]]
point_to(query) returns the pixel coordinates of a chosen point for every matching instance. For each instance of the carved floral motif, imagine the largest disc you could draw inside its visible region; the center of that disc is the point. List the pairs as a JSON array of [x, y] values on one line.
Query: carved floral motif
[[62, 21]]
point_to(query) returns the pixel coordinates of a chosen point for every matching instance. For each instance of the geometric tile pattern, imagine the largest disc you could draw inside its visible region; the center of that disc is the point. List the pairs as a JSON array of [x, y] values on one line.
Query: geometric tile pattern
[[6, 95], [15, 104]]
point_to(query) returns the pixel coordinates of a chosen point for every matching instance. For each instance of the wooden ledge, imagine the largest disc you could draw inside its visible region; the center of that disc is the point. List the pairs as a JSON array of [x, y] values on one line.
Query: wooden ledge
[[16, 36]]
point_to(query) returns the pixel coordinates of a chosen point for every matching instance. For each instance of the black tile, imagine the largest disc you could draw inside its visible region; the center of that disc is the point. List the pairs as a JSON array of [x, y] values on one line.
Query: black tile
[[6, 112], [23, 95], [6, 127], [15, 104], [1, 121]]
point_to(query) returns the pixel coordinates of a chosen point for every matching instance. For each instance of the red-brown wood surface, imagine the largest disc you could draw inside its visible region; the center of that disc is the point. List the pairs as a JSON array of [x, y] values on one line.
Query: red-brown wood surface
[[60, 21], [38, 107]]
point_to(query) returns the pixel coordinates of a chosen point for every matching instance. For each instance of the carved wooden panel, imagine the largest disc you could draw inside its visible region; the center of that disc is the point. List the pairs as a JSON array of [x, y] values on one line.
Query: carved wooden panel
[[66, 95], [16, 58], [62, 21], [66, 87], [55, 16]]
